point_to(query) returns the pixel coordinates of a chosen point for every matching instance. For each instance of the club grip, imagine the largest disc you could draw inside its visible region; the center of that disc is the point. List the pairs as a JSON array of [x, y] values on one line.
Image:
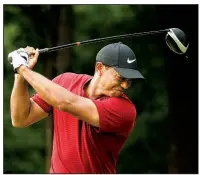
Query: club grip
[[43, 50], [9, 59]]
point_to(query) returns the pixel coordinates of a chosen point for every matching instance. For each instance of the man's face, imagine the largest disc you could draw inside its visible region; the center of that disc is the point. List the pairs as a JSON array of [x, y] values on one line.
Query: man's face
[[111, 80]]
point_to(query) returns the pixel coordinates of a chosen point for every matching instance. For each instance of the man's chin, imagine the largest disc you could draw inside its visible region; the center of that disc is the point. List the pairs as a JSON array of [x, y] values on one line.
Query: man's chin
[[116, 93], [110, 93]]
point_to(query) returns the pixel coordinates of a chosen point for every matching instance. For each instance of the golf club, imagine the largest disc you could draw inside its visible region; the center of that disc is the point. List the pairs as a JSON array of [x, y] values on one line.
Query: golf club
[[175, 39]]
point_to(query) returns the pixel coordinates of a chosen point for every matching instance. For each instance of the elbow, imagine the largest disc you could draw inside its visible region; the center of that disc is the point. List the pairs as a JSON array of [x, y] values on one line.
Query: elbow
[[96, 123], [18, 124]]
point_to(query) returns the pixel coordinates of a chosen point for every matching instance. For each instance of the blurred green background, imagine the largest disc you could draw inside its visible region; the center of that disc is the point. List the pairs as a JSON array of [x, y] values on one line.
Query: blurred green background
[[165, 137]]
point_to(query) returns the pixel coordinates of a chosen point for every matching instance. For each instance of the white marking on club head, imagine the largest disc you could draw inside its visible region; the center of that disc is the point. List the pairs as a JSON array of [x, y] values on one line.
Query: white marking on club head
[[178, 42], [130, 61]]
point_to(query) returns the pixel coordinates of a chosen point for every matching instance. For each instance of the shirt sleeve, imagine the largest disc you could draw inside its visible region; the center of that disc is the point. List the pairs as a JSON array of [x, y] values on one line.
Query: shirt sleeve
[[45, 106], [115, 114]]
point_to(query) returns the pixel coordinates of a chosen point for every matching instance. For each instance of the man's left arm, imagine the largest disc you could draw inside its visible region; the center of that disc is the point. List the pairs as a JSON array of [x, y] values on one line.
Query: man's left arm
[[59, 97]]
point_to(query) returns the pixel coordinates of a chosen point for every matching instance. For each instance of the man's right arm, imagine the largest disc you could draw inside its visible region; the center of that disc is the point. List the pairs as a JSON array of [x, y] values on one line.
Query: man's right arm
[[24, 111]]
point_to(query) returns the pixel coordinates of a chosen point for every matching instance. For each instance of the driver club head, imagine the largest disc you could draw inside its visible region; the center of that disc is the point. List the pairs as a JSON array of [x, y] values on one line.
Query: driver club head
[[177, 41]]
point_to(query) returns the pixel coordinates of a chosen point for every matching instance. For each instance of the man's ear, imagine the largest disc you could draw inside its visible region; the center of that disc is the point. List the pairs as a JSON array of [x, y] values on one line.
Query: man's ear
[[99, 68]]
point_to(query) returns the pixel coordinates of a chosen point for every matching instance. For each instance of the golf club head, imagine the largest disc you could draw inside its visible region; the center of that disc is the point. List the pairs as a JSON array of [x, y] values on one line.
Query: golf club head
[[177, 41]]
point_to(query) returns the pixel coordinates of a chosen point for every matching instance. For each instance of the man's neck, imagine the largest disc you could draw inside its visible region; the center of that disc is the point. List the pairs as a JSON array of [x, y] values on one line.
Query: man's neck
[[91, 89]]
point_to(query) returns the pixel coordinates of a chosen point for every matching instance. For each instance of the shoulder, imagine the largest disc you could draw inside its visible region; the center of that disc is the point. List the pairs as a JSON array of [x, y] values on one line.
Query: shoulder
[[69, 76], [117, 106], [123, 104], [115, 114], [66, 75]]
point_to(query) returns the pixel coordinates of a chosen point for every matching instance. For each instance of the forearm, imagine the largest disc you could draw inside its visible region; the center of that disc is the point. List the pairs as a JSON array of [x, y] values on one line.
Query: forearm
[[50, 92], [19, 102]]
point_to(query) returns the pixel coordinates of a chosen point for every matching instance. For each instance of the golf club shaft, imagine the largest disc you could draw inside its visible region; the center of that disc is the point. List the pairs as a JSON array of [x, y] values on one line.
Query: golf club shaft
[[100, 39]]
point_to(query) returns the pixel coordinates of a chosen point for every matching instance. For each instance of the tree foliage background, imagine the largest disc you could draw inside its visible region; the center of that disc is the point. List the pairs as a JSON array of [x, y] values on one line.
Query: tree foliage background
[[165, 137]]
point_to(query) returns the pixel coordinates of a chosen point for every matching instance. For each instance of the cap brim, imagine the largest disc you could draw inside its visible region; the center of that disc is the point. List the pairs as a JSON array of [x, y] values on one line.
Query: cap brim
[[129, 73]]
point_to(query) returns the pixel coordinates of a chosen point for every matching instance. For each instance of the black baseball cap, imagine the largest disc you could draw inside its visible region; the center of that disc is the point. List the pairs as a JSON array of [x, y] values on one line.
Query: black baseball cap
[[121, 58]]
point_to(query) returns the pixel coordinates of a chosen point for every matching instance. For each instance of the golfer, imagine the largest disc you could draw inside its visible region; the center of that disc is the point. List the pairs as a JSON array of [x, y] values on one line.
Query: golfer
[[92, 116]]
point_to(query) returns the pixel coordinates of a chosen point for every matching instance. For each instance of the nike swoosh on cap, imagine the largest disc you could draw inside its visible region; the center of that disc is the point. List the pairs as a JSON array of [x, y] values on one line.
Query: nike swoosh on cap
[[130, 61]]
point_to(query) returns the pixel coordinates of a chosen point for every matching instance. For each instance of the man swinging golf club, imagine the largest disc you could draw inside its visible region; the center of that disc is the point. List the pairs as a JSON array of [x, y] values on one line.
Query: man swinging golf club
[[92, 116]]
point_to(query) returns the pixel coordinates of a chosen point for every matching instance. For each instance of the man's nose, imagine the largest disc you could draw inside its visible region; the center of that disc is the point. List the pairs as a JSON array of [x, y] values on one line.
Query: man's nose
[[125, 84]]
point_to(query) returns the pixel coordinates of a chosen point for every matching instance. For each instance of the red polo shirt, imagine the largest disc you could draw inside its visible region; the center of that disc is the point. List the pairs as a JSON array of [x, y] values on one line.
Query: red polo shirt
[[79, 147]]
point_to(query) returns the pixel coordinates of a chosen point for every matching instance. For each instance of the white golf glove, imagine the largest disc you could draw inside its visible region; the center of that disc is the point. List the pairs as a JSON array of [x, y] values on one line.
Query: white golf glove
[[18, 57]]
